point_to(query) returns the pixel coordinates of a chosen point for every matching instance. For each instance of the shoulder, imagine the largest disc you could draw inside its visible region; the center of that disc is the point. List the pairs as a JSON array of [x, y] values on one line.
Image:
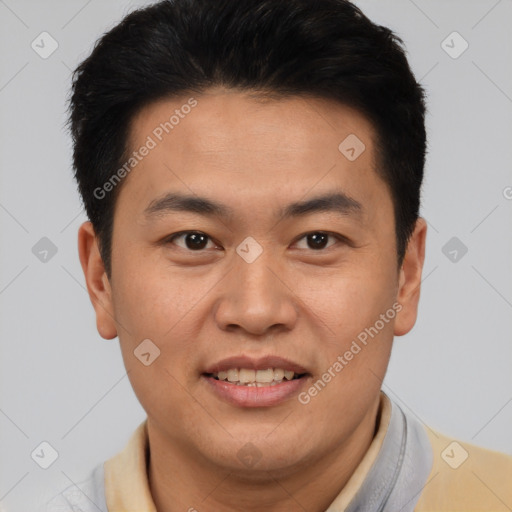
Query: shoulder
[[465, 477], [86, 496]]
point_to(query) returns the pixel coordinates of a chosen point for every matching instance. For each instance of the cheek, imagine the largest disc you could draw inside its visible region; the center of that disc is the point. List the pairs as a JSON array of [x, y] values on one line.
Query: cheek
[[348, 307], [151, 299], [153, 305], [348, 301], [167, 306]]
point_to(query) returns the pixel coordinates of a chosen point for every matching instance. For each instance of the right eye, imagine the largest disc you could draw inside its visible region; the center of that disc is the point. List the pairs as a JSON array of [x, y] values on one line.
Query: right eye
[[191, 240]]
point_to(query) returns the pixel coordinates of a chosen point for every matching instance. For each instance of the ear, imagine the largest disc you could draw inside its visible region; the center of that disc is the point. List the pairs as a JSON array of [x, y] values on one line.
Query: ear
[[97, 281], [410, 279]]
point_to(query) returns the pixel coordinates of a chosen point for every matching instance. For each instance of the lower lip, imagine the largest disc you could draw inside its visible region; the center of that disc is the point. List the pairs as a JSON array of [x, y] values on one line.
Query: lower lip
[[253, 396]]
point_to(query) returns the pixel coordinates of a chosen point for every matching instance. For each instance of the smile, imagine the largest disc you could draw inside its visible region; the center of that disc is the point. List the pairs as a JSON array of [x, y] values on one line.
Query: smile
[[255, 378]]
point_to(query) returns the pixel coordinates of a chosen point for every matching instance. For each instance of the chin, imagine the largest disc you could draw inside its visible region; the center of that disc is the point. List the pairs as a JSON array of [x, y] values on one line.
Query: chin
[[253, 456]]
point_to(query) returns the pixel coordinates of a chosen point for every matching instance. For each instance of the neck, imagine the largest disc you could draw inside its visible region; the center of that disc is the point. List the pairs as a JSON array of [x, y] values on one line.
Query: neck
[[182, 481]]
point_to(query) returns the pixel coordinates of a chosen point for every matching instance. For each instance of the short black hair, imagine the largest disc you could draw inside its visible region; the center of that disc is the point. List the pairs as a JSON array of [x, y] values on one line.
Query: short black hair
[[322, 48]]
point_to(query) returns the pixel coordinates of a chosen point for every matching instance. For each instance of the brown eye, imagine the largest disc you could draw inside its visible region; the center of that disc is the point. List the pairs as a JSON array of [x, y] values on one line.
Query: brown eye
[[193, 240], [317, 240]]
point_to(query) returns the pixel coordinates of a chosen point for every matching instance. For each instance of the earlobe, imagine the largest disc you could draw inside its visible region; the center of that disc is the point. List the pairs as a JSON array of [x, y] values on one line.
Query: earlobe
[[98, 284], [410, 279]]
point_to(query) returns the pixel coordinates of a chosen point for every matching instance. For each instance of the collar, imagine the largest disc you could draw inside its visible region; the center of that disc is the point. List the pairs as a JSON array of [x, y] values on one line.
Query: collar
[[390, 476], [393, 471]]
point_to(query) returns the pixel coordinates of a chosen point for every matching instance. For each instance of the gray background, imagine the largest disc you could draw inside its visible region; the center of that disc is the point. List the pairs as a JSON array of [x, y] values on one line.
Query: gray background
[[61, 383]]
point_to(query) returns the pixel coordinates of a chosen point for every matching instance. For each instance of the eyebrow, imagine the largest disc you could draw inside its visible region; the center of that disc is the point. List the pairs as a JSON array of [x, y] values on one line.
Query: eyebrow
[[337, 202]]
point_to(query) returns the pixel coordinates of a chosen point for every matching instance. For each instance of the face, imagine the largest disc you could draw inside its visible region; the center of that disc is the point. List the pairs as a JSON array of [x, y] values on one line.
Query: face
[[249, 248]]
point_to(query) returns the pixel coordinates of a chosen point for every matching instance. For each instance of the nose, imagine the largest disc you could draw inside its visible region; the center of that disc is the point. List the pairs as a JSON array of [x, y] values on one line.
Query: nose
[[256, 299]]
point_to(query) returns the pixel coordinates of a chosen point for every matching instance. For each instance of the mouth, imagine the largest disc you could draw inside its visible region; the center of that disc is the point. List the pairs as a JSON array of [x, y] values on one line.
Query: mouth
[[263, 382], [255, 378]]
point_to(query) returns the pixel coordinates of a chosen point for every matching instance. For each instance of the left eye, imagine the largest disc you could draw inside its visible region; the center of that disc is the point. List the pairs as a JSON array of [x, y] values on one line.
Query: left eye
[[318, 240]]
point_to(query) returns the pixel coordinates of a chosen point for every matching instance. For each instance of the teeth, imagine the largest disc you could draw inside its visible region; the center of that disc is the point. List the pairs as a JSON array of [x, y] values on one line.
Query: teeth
[[255, 378], [279, 374], [265, 375], [246, 376], [288, 375], [232, 375]]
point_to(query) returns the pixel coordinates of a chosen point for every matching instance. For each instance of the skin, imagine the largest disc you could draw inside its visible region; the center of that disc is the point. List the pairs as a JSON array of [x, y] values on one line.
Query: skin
[[298, 302]]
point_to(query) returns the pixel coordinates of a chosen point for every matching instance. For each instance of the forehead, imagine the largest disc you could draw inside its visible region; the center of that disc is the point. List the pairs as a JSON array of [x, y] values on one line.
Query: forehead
[[229, 121], [244, 148]]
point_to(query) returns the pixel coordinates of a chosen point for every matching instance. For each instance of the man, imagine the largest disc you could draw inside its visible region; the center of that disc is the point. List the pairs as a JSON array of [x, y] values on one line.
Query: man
[[252, 173]]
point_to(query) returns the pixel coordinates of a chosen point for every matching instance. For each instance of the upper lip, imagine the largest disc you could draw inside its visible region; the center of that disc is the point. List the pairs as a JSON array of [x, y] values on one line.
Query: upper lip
[[255, 363]]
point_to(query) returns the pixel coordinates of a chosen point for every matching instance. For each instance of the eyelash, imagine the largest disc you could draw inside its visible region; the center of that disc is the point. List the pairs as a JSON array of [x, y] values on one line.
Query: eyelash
[[339, 238]]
